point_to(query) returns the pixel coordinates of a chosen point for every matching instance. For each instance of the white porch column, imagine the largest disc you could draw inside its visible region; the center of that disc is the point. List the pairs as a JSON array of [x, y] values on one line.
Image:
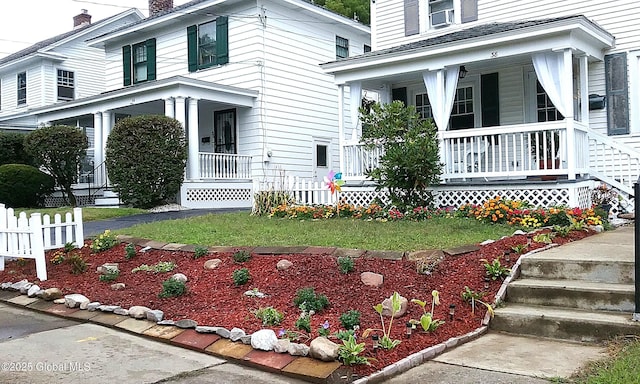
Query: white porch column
[[567, 78], [98, 150], [341, 124], [169, 107], [107, 124], [440, 91], [584, 89], [180, 116], [194, 140]]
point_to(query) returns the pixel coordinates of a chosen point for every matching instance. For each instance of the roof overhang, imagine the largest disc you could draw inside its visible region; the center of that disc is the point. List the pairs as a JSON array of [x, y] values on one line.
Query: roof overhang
[[177, 86], [32, 58], [576, 33]]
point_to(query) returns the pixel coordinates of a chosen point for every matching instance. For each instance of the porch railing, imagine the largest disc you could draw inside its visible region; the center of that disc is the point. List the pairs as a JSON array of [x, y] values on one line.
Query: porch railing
[[224, 166], [616, 164], [357, 159]]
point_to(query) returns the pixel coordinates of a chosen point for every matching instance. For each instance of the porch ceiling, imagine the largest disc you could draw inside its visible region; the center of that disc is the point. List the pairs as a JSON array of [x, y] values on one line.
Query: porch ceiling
[[492, 44]]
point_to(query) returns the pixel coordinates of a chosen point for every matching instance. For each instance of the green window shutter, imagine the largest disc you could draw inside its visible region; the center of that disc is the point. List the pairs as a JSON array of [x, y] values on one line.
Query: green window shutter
[[192, 47], [617, 85], [151, 59], [222, 40], [126, 64], [411, 17]]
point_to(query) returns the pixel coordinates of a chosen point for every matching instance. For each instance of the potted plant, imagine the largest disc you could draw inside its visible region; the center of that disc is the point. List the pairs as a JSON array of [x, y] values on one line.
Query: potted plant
[[544, 148], [602, 196]]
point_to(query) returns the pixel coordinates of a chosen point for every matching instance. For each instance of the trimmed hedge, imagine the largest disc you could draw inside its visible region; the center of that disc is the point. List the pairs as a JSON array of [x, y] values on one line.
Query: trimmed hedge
[[23, 185], [12, 149]]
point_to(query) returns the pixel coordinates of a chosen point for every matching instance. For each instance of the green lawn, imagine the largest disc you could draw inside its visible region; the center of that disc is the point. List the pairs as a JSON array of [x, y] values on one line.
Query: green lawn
[[241, 229], [623, 367], [88, 213]]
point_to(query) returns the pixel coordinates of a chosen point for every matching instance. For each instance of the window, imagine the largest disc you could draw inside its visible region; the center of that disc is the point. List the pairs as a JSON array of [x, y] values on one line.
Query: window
[[545, 109], [65, 85], [440, 13], [462, 115], [617, 93], [421, 16], [321, 155], [208, 44], [367, 48], [342, 47], [224, 131], [139, 62], [423, 107], [22, 88]]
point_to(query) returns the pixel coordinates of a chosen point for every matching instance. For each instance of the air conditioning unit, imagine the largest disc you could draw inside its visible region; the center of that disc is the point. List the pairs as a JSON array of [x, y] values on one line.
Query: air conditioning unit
[[441, 18]]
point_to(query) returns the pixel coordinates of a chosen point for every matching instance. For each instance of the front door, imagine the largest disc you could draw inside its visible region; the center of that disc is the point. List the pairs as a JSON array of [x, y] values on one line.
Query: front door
[[321, 158], [224, 131]]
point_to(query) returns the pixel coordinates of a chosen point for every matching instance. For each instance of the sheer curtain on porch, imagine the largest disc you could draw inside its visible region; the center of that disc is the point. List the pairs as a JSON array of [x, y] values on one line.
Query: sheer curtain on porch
[[549, 68], [355, 98], [441, 103]]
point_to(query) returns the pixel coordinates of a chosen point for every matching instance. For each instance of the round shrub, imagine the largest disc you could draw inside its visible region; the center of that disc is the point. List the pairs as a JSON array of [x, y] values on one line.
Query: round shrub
[[23, 185], [12, 149], [146, 159]]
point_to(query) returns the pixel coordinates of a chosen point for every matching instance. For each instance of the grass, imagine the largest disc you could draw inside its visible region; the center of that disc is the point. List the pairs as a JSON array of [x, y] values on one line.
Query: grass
[[622, 367], [241, 229], [88, 213]]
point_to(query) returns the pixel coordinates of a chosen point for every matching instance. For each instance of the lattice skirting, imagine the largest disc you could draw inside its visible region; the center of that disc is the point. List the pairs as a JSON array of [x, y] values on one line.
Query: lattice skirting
[[54, 201], [211, 195]]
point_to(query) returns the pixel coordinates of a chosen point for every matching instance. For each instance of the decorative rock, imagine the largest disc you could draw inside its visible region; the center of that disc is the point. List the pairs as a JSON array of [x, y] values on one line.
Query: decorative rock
[[59, 301], [179, 277], [387, 310], [40, 293], [108, 268], [108, 308], [487, 242], [74, 300], [371, 279], [204, 329], [283, 265], [145, 249], [93, 306], [186, 323], [255, 293], [84, 304], [118, 286], [246, 340], [121, 312], [138, 312], [52, 294], [519, 232], [236, 334], [598, 228], [264, 340], [296, 349], [223, 332], [25, 288], [154, 315], [6, 285], [282, 346], [212, 264], [33, 290], [18, 285], [323, 349], [163, 322]]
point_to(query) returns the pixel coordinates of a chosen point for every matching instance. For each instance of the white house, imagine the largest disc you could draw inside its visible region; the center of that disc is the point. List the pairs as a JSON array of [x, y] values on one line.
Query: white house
[[242, 76], [509, 84]]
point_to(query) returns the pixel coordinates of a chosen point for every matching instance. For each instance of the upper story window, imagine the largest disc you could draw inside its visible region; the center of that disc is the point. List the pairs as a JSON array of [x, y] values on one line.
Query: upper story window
[[441, 13], [139, 62], [66, 83], [22, 88], [367, 48], [422, 16], [342, 47], [208, 44]]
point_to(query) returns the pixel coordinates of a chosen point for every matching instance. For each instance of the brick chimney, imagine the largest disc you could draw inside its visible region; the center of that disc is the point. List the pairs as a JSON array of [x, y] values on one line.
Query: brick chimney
[[82, 19], [158, 6]]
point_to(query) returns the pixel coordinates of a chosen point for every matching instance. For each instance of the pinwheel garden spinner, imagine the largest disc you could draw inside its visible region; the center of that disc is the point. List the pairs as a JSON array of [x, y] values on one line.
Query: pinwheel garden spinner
[[334, 182]]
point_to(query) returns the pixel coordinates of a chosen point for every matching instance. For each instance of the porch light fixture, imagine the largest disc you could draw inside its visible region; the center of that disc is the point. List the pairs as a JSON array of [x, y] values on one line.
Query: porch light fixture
[[452, 311], [463, 72]]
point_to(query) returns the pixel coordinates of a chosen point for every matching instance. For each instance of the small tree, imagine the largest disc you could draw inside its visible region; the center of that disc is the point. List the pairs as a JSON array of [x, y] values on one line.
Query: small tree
[[410, 163], [12, 149], [58, 150], [146, 159]]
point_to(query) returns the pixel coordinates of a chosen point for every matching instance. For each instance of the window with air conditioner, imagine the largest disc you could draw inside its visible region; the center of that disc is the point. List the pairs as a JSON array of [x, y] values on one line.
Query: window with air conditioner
[[440, 13]]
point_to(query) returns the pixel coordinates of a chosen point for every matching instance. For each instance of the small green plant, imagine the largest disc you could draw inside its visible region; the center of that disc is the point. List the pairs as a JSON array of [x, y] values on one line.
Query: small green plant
[[78, 264], [58, 257], [104, 241], [307, 300], [241, 256], [386, 342], [172, 288], [130, 251], [345, 264], [241, 276], [21, 262], [110, 275], [495, 270], [562, 231], [68, 247], [269, 316], [428, 323], [350, 319], [344, 335], [304, 322], [159, 267], [200, 251], [543, 238], [520, 248], [577, 225], [349, 352], [324, 330], [472, 297]]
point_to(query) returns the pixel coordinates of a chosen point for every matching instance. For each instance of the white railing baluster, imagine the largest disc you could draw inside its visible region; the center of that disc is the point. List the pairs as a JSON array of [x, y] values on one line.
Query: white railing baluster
[[57, 232], [46, 223]]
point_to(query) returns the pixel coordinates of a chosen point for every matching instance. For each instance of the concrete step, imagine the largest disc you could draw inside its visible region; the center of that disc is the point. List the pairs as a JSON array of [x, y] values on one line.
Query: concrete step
[[563, 323], [609, 269], [573, 294], [107, 202]]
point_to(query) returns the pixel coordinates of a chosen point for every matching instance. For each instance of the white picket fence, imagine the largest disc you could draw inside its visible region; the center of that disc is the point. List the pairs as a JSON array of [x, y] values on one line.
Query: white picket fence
[[305, 192], [22, 237]]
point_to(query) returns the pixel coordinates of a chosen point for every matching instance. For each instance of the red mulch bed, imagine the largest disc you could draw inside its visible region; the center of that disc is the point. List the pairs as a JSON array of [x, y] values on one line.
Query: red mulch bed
[[212, 298]]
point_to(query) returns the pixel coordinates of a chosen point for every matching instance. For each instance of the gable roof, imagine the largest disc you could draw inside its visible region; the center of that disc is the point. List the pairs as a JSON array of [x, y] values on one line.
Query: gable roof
[[52, 40]]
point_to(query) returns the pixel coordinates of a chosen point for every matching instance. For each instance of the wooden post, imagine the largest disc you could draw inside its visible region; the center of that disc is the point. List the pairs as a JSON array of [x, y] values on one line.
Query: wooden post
[[37, 247]]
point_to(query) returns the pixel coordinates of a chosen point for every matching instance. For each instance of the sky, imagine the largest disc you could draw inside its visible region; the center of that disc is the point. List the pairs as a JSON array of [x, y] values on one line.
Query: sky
[[25, 22]]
